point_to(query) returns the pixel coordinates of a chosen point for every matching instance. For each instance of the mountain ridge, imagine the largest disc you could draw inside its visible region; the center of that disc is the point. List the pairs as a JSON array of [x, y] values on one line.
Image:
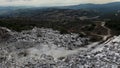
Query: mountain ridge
[[103, 7]]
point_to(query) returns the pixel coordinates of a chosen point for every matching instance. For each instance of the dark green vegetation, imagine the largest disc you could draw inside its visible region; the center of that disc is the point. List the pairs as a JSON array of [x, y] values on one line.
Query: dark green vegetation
[[114, 25], [64, 20], [84, 19]]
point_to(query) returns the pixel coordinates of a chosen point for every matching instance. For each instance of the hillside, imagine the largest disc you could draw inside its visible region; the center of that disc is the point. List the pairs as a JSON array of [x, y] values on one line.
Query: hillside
[[101, 8], [76, 36], [109, 7], [39, 47]]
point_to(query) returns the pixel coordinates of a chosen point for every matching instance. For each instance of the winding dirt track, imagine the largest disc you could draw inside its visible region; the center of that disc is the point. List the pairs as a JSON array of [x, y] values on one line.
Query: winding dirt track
[[105, 37], [108, 31]]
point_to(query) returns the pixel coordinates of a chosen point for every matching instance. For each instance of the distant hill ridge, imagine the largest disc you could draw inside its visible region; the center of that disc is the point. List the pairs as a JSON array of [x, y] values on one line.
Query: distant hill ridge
[[104, 8]]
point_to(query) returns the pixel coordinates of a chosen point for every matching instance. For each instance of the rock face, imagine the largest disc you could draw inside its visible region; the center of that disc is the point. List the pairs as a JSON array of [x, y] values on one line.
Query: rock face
[[4, 33], [46, 48]]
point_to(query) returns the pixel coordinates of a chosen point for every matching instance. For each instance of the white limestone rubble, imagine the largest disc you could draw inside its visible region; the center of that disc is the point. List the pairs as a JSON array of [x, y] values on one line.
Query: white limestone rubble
[[47, 48]]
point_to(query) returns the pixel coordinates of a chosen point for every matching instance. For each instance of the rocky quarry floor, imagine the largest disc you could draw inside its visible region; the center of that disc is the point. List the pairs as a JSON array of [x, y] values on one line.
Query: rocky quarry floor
[[47, 48]]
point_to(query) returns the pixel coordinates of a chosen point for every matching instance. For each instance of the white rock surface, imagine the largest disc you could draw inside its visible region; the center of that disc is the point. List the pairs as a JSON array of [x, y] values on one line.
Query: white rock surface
[[46, 48]]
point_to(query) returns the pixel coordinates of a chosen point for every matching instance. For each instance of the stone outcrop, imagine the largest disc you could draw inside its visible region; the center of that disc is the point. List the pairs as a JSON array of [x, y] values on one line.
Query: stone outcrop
[[47, 48]]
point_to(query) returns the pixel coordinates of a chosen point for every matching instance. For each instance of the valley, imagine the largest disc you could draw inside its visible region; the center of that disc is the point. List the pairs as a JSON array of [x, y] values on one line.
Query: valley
[[76, 36]]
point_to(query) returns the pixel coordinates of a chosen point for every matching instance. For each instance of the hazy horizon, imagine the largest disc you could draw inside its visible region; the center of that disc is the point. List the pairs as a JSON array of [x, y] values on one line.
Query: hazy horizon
[[51, 3]]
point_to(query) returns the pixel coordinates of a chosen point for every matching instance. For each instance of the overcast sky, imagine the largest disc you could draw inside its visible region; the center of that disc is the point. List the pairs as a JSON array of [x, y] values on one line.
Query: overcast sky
[[49, 2]]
